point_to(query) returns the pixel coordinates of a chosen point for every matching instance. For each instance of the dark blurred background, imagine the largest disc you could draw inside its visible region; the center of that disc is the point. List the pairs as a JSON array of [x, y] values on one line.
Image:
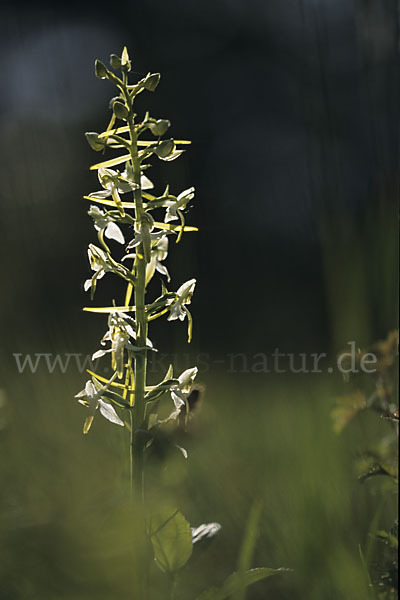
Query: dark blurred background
[[292, 108]]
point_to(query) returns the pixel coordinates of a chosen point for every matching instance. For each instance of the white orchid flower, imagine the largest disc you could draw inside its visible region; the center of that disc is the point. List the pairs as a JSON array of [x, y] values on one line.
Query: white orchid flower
[[179, 204], [93, 399], [103, 222], [180, 392], [99, 263], [183, 297]]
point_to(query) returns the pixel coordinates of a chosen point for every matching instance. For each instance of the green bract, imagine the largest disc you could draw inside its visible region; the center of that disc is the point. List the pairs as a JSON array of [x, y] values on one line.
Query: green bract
[[100, 69], [115, 62], [160, 127], [120, 110], [151, 81], [94, 141]]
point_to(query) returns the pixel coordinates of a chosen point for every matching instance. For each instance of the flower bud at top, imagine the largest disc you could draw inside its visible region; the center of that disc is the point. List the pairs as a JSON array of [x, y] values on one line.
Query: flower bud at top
[[125, 62]]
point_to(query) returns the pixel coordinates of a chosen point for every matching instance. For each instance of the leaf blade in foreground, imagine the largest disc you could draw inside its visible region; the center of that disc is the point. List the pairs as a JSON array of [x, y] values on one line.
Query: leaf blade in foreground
[[236, 581]]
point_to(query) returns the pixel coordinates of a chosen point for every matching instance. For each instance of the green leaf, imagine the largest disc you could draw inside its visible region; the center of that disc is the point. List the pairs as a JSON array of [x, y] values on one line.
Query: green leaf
[[364, 566], [248, 545], [236, 581], [171, 538]]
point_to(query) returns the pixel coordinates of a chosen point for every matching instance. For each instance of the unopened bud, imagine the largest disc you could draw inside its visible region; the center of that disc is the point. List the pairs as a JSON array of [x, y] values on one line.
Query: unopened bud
[[115, 62], [165, 148], [94, 141], [120, 110], [100, 69], [151, 81], [125, 62], [160, 127]]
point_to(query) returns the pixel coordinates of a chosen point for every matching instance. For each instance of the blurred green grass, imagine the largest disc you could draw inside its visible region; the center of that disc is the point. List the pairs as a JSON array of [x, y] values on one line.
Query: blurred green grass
[[65, 515]]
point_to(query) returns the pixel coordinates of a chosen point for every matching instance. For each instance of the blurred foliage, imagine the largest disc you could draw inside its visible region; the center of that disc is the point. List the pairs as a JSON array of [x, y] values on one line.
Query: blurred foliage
[[380, 460], [66, 524]]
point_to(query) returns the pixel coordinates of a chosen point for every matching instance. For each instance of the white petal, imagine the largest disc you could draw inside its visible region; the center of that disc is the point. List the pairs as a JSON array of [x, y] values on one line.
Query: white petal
[[145, 183], [173, 155], [99, 354], [174, 415], [177, 401], [163, 270], [187, 377], [184, 452], [135, 242], [175, 313], [100, 194], [170, 216], [206, 530], [87, 285], [189, 192], [186, 288], [90, 390], [113, 232], [128, 256], [109, 413], [131, 332]]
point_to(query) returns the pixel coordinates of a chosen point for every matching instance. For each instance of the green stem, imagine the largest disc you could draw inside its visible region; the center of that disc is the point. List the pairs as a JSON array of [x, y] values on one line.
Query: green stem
[[174, 581], [140, 371], [140, 359]]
